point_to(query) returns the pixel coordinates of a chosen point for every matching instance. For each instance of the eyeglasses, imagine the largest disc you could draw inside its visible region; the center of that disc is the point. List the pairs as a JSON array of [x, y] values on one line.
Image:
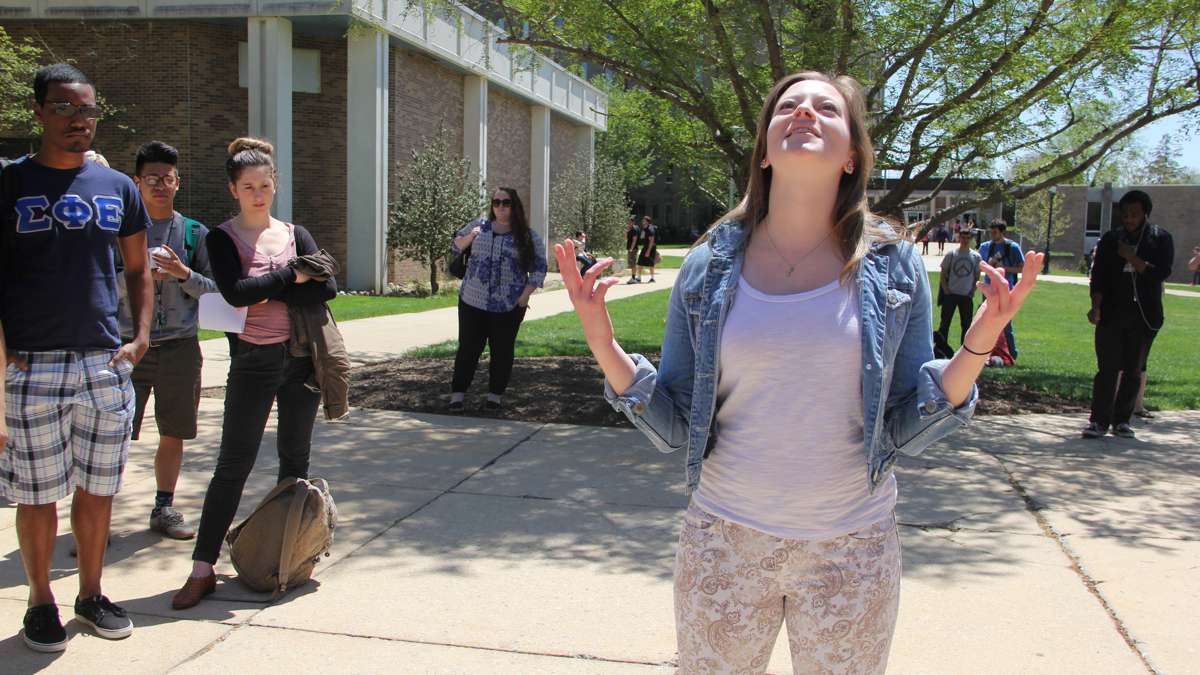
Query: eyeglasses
[[153, 180], [65, 109], [501, 202]]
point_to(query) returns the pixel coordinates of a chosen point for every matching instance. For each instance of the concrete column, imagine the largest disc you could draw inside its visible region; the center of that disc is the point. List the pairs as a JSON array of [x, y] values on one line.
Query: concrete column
[[539, 173], [591, 140], [367, 58], [270, 90], [475, 124]]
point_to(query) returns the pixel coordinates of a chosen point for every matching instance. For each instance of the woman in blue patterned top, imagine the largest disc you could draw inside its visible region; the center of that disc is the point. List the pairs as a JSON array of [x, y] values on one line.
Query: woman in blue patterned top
[[507, 263]]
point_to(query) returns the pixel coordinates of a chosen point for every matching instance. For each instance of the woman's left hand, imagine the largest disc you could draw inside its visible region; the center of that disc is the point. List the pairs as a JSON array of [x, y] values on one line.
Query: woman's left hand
[[1001, 304]]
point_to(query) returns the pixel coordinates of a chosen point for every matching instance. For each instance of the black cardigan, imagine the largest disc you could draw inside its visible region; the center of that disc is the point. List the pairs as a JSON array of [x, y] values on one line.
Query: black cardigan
[[242, 291], [1117, 286]]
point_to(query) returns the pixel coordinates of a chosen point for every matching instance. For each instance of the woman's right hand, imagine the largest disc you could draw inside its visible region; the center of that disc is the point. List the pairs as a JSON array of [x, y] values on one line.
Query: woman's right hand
[[587, 294]]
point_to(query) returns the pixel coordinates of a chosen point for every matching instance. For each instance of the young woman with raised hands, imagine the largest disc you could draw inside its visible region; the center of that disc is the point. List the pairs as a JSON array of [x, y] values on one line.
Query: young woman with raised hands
[[797, 363]]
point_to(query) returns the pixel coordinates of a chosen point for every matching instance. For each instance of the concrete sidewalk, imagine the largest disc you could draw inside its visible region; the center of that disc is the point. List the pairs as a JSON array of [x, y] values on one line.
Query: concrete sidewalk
[[387, 337], [480, 546]]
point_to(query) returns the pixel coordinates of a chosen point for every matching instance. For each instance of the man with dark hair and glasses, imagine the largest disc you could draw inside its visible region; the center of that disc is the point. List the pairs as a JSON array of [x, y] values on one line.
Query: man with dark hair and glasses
[[171, 366], [63, 223]]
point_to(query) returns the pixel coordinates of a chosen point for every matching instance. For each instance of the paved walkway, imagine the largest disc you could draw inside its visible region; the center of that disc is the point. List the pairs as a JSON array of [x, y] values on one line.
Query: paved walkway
[[476, 546]]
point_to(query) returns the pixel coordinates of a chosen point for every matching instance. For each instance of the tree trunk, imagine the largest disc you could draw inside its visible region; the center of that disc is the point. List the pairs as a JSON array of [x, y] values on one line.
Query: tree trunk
[[433, 281]]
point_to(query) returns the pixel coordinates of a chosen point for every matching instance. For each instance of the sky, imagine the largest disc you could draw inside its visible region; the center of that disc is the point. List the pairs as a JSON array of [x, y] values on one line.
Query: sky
[[1189, 148]]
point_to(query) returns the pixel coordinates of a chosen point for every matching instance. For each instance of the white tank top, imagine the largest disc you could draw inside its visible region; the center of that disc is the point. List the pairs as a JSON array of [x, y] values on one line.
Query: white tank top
[[789, 458]]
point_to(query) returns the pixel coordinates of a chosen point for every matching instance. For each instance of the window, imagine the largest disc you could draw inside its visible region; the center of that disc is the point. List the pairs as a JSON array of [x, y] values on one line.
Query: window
[[1092, 225], [306, 69]]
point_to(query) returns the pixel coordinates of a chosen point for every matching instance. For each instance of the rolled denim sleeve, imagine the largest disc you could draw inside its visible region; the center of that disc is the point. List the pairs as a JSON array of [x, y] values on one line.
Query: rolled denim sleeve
[[918, 413], [659, 400]]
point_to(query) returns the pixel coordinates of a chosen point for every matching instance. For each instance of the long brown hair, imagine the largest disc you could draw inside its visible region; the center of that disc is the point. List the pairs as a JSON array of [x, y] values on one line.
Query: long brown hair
[[855, 227], [520, 227]]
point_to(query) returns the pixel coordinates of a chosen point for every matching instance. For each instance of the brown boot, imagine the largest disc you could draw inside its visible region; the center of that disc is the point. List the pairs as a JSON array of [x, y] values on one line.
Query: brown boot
[[193, 591]]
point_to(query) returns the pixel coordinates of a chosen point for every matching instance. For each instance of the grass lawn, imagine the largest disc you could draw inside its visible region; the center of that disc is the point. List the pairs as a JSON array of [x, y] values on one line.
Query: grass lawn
[[1058, 350], [1053, 335], [350, 307]]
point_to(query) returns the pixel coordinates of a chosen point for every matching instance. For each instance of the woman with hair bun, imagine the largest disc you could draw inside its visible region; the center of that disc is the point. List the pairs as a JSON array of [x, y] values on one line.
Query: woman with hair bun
[[249, 255]]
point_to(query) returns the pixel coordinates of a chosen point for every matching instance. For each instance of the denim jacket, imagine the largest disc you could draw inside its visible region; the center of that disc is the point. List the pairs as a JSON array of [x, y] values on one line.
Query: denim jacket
[[904, 406]]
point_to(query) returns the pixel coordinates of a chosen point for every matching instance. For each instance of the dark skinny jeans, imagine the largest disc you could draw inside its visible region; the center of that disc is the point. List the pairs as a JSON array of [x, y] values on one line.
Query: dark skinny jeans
[[258, 376], [477, 328], [964, 305]]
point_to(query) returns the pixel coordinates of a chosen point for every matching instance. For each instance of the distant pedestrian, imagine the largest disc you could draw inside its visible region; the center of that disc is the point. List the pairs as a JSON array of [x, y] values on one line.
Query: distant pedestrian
[[507, 264], [960, 274], [582, 255], [925, 243], [648, 257], [633, 234], [1005, 254], [1128, 272], [1194, 265]]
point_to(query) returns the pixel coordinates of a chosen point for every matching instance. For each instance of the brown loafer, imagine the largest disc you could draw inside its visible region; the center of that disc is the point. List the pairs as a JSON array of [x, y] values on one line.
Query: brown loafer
[[193, 591]]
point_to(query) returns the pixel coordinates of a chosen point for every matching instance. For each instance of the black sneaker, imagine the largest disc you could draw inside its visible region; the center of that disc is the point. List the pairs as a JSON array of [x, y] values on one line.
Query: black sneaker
[[108, 620], [1093, 430], [43, 631], [492, 405], [456, 406]]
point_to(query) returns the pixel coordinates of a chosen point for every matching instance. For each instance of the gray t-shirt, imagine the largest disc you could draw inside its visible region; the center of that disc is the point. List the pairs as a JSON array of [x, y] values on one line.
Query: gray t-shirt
[[960, 269]]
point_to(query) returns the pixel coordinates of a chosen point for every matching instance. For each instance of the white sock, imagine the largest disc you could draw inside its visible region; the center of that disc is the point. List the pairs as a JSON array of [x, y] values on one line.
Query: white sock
[[494, 398], [458, 396]]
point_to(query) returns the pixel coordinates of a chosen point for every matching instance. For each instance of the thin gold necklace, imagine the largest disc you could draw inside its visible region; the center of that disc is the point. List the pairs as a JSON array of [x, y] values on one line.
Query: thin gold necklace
[[791, 267]]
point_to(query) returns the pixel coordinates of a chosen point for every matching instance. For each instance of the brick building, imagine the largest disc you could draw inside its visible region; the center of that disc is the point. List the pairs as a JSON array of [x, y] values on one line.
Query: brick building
[[1094, 210], [345, 90]]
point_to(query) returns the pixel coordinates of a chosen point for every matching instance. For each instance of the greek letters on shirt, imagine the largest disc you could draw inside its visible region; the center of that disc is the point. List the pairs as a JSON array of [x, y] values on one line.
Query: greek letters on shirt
[[36, 214]]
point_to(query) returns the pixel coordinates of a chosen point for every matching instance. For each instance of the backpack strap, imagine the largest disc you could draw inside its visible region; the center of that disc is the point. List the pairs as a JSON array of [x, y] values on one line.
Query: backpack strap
[[290, 529], [191, 234]]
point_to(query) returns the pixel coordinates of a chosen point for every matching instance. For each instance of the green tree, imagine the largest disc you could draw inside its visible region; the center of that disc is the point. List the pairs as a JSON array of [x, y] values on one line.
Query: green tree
[[18, 63], [438, 193], [955, 87], [591, 199], [1163, 166]]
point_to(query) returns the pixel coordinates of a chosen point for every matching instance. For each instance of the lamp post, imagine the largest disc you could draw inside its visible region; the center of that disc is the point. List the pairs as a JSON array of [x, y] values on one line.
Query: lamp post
[[1049, 223]]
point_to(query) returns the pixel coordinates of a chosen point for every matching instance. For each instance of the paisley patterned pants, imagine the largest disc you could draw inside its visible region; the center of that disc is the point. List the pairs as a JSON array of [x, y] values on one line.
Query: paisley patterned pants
[[735, 585]]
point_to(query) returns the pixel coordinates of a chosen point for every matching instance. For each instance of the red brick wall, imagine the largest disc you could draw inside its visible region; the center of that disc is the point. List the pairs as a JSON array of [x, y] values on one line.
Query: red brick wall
[[424, 96], [319, 150], [509, 130]]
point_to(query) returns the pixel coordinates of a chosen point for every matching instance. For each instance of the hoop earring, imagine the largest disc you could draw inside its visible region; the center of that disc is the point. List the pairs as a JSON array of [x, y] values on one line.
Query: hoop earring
[[850, 167], [764, 165]]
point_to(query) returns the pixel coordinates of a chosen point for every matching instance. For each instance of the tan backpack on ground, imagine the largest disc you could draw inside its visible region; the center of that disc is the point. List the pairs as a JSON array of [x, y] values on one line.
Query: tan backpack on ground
[[277, 546]]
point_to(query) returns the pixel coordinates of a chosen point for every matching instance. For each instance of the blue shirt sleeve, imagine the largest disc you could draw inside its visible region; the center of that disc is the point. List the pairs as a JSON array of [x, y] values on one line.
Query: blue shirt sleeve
[[136, 219]]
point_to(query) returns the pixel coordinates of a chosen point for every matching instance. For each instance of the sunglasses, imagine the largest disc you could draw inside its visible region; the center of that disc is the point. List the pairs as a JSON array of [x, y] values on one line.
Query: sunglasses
[[501, 202], [170, 180], [65, 109]]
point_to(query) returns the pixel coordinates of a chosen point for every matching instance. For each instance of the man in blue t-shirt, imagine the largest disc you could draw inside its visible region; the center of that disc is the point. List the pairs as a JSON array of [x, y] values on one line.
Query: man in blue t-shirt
[[63, 221], [1006, 253]]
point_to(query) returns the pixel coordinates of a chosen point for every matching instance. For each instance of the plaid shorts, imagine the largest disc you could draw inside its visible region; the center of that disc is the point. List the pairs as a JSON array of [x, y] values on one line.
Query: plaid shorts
[[69, 418]]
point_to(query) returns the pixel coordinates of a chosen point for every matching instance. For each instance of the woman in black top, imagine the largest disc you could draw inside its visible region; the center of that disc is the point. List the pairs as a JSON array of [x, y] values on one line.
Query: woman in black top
[[250, 255]]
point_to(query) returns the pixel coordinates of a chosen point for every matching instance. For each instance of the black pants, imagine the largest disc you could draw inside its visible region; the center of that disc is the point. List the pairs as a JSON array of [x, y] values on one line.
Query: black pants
[[966, 309], [258, 376], [497, 330], [1121, 346]]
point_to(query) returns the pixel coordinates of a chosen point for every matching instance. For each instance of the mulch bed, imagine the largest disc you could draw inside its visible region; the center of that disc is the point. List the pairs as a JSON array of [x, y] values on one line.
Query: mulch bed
[[568, 390]]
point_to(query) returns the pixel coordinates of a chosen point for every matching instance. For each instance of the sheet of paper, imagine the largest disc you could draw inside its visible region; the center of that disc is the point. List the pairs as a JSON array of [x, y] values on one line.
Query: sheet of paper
[[216, 314]]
